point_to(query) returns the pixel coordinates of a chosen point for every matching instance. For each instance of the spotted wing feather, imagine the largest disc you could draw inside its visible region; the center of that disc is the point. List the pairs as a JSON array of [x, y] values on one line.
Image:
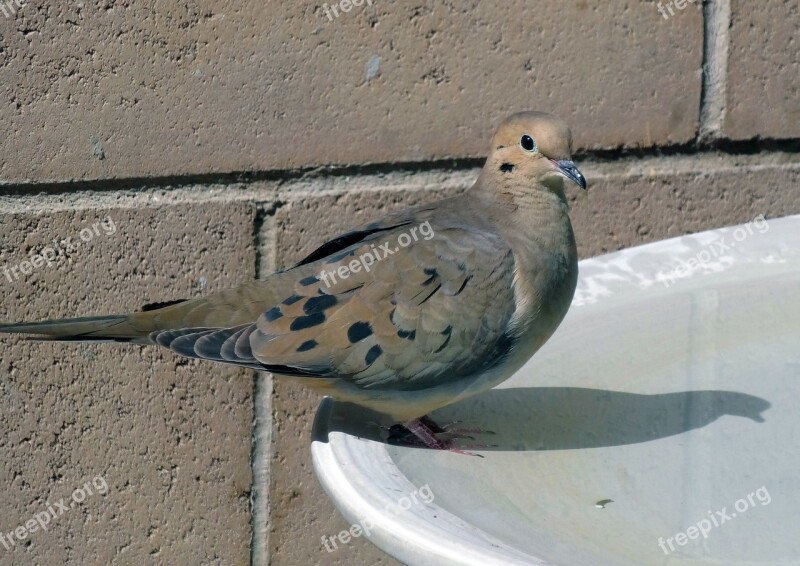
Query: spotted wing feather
[[394, 307]]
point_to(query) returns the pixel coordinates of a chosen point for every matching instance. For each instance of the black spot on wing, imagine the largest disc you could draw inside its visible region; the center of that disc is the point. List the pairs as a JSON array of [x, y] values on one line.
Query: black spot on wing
[[292, 300], [273, 314], [359, 331], [408, 335], [303, 322], [431, 273], [432, 292], [319, 303], [446, 332], [310, 280], [307, 345], [373, 354], [463, 284]]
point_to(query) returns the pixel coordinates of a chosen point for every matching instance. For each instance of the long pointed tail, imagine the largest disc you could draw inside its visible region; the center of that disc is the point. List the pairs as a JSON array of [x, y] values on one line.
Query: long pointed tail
[[115, 328], [135, 327], [226, 309]]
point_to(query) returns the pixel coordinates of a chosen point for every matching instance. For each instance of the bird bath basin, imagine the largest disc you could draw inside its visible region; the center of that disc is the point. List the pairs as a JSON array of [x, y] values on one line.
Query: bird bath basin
[[660, 425]]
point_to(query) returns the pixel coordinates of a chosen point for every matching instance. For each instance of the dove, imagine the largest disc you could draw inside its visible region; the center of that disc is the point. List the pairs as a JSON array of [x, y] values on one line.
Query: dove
[[405, 315]]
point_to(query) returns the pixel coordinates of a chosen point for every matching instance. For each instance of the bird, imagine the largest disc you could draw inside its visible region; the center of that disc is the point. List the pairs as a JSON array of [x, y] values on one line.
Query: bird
[[410, 313]]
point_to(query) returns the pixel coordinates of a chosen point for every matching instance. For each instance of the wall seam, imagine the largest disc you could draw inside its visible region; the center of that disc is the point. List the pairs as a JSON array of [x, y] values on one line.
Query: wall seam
[[263, 240], [269, 196], [716, 45]]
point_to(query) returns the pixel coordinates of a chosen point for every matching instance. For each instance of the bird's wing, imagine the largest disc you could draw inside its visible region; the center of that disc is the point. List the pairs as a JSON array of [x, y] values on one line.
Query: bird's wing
[[401, 304]]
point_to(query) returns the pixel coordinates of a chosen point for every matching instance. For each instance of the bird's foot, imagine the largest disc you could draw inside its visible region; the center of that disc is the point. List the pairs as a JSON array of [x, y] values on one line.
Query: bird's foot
[[453, 429], [424, 432]]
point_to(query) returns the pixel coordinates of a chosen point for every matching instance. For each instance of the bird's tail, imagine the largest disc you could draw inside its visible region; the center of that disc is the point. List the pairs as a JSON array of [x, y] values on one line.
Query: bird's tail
[[226, 309], [135, 327], [114, 328]]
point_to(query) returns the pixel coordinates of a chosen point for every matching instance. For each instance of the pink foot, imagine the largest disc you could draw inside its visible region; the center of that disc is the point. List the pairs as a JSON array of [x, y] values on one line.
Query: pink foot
[[426, 430], [451, 428]]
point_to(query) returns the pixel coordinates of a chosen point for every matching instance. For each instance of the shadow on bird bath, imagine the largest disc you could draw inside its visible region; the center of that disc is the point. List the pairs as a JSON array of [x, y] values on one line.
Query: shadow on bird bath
[[558, 418]]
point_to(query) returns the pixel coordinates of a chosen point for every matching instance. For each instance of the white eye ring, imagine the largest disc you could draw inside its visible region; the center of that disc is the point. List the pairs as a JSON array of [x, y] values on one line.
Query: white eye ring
[[527, 143]]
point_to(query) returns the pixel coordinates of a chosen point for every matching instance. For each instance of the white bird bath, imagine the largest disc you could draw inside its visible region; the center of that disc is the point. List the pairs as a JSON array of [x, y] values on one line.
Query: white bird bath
[[660, 425]]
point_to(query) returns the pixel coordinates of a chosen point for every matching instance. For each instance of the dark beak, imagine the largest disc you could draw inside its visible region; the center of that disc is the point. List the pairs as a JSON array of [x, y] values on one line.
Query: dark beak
[[570, 171]]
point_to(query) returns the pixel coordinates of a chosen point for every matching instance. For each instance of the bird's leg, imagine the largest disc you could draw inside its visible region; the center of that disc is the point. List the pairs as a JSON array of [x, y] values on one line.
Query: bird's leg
[[451, 429], [431, 424], [425, 429], [426, 434]]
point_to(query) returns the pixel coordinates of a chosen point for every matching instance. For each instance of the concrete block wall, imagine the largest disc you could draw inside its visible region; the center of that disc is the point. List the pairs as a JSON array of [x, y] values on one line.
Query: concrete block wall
[[184, 147]]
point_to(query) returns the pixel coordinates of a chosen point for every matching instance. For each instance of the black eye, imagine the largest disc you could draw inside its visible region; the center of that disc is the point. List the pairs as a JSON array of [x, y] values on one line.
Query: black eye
[[527, 143]]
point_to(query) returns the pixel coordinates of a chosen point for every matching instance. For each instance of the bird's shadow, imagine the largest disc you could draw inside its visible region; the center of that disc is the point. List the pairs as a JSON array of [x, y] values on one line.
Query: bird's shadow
[[557, 418]]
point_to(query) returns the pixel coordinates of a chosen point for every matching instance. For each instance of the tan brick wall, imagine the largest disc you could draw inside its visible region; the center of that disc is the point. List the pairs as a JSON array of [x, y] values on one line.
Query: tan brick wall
[[226, 139], [170, 437], [764, 70], [158, 88]]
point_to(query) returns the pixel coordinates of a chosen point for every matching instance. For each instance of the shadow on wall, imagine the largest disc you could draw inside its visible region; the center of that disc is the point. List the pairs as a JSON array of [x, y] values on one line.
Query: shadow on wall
[[560, 418]]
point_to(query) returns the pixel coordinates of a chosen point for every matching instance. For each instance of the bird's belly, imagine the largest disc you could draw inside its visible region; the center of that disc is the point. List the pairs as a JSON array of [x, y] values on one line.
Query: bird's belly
[[404, 405], [538, 331]]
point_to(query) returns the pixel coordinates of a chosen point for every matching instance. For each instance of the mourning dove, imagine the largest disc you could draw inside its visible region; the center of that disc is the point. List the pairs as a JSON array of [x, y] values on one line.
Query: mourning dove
[[405, 315]]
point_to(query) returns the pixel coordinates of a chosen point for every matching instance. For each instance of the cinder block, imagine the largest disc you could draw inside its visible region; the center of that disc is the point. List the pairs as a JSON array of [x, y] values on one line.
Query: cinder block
[[763, 71], [170, 438], [134, 90]]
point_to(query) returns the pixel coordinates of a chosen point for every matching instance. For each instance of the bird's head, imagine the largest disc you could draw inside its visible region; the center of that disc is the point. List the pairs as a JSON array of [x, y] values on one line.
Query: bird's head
[[533, 149]]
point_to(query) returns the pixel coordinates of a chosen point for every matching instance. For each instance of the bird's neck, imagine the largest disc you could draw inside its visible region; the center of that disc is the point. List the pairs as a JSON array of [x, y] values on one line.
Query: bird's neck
[[532, 217], [536, 225], [538, 229]]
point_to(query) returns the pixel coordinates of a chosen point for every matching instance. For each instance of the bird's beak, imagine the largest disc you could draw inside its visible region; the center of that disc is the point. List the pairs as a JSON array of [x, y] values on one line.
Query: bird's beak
[[569, 170]]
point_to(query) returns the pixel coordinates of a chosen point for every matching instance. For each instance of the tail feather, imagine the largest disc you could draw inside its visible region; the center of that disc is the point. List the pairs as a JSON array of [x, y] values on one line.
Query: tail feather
[[114, 328], [230, 308]]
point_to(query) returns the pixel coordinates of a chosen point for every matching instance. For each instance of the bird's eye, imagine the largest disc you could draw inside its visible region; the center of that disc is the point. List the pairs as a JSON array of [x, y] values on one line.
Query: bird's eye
[[527, 143]]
